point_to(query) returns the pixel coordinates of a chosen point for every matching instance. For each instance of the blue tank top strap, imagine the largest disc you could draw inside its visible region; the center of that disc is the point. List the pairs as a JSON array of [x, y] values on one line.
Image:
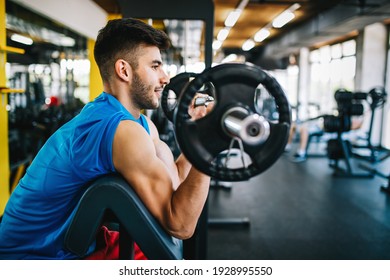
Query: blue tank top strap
[[141, 120]]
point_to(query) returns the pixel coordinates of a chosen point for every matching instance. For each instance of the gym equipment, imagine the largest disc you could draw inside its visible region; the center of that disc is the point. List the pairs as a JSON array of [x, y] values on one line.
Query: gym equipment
[[317, 135], [163, 116], [172, 91], [348, 105], [234, 119], [377, 98], [110, 199], [225, 222]]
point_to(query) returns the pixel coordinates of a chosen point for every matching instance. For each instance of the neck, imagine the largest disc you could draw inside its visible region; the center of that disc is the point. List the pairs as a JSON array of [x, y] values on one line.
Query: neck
[[124, 98]]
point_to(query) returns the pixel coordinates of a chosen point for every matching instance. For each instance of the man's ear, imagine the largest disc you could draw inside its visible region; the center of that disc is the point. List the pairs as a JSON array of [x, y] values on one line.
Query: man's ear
[[123, 70]]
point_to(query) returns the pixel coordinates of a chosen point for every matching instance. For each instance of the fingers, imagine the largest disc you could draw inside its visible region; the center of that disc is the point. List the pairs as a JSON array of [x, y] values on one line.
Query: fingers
[[203, 101], [198, 99], [200, 106]]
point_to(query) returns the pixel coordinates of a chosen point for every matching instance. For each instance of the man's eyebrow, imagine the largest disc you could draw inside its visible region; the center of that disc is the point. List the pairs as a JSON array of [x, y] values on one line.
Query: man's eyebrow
[[159, 62]]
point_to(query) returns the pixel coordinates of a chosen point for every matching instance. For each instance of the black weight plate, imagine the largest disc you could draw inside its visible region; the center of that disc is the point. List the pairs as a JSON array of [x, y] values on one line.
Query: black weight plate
[[202, 141], [172, 91]]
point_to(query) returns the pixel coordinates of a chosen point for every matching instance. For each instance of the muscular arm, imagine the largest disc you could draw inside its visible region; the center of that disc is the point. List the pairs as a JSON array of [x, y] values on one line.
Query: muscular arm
[[180, 168], [174, 193]]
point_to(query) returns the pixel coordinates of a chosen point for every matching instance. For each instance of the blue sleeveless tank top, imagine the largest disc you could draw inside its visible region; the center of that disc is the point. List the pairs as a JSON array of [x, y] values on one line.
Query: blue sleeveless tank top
[[41, 206]]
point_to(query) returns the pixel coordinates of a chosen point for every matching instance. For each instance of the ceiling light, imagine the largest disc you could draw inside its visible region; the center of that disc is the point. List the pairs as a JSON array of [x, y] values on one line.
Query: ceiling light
[[282, 19], [294, 7], [233, 17], [230, 58], [262, 34], [223, 33], [22, 39], [249, 44], [286, 16], [216, 45]]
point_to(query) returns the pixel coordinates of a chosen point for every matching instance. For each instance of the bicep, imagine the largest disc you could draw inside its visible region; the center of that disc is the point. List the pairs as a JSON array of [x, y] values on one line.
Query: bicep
[[164, 153], [135, 158]]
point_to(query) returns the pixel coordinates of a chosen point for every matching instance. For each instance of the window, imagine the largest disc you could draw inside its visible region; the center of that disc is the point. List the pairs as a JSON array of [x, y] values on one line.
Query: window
[[331, 67]]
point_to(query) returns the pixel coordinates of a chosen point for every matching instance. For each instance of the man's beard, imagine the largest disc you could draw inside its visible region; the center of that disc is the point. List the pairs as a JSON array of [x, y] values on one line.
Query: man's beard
[[141, 94]]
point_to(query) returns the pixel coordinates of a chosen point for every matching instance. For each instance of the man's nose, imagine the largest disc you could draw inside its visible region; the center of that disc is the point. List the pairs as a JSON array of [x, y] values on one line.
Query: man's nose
[[165, 78]]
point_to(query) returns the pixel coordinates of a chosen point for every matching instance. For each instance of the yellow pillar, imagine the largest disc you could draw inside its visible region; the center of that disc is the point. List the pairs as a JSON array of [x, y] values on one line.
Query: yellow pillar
[[4, 158], [113, 16], [95, 81]]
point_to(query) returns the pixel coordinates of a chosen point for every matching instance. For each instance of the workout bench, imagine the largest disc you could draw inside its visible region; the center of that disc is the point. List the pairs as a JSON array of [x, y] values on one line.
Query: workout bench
[[110, 199]]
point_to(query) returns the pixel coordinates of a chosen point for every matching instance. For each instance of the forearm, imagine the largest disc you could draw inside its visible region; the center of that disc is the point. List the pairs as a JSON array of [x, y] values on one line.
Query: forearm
[[188, 202], [183, 167]]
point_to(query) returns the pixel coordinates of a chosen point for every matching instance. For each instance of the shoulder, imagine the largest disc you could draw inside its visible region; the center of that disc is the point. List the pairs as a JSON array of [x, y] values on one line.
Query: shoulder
[[131, 139], [130, 129]]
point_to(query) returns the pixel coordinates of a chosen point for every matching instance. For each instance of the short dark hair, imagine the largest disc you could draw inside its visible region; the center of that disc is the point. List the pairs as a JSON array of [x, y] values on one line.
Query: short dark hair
[[121, 38]]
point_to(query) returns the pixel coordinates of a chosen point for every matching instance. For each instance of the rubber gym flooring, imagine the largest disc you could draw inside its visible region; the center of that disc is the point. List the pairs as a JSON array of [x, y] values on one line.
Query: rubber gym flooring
[[300, 211]]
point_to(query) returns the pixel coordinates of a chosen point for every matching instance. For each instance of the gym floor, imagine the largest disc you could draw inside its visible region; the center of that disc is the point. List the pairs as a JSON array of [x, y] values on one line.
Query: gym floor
[[300, 211]]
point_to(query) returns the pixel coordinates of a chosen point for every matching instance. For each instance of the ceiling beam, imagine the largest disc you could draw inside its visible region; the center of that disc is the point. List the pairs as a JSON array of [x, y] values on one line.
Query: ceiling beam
[[328, 26]]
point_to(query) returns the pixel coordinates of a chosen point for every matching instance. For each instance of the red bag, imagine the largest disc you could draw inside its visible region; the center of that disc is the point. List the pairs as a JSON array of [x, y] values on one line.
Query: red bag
[[107, 246]]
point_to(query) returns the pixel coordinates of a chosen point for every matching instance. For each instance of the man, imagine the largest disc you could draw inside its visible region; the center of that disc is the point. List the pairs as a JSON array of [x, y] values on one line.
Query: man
[[109, 135]]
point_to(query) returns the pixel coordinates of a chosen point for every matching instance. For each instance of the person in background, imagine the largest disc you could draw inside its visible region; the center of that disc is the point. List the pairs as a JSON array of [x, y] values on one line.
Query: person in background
[[305, 129]]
